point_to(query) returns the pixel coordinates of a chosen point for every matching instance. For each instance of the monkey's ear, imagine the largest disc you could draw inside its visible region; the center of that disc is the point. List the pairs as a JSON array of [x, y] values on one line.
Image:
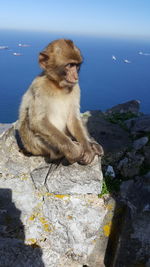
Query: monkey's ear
[[43, 58]]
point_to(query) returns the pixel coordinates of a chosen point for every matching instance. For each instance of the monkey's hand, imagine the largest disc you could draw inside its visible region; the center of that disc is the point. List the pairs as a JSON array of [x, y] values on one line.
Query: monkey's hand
[[90, 150], [75, 152]]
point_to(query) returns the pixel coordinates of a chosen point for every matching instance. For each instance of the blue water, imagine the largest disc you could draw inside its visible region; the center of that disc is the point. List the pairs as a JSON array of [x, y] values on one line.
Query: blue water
[[104, 82]]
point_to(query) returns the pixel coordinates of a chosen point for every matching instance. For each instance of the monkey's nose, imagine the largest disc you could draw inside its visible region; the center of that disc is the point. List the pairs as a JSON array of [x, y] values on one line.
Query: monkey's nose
[[74, 73]]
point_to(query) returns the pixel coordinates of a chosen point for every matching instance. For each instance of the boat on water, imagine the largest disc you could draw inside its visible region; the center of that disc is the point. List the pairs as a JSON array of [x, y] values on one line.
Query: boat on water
[[127, 61], [23, 45], [144, 54], [17, 54], [114, 58], [3, 47]]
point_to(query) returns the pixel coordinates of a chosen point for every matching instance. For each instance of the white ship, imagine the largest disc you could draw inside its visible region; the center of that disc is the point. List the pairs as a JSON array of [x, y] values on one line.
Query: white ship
[[127, 61], [3, 47], [17, 54], [114, 58], [144, 54], [23, 45]]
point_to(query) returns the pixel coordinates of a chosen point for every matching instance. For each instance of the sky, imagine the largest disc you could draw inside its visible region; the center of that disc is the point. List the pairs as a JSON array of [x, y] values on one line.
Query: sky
[[90, 17]]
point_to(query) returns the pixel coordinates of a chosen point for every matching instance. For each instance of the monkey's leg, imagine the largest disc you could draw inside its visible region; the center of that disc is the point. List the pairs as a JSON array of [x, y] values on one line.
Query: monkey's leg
[[59, 142], [35, 145]]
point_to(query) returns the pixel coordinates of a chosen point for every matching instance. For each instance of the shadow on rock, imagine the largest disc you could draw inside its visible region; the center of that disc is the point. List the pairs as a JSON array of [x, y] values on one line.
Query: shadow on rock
[[13, 251], [128, 227], [133, 231]]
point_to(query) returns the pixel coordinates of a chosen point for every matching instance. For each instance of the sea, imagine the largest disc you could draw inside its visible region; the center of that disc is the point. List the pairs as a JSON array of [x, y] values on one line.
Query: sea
[[114, 70]]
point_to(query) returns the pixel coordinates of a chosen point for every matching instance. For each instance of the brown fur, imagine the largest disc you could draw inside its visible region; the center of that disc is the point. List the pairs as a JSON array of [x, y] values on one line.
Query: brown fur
[[49, 117]]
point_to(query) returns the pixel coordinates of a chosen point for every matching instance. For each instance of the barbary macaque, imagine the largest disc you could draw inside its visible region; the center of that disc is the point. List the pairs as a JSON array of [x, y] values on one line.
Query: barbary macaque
[[49, 117]]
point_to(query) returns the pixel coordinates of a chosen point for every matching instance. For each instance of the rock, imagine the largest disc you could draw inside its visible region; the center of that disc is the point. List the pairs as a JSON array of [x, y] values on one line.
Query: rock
[[125, 186], [110, 171], [77, 179], [139, 143], [132, 106], [130, 166], [4, 127], [146, 151], [147, 176], [123, 163], [134, 246], [50, 214], [130, 123], [148, 263], [14, 252], [139, 125], [111, 136]]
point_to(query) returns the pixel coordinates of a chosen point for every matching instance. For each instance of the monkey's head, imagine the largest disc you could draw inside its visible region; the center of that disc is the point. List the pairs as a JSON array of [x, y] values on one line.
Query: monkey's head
[[61, 62]]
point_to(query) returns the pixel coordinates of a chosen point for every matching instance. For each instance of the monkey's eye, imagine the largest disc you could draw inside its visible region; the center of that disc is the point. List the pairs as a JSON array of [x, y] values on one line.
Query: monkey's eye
[[78, 66], [72, 65]]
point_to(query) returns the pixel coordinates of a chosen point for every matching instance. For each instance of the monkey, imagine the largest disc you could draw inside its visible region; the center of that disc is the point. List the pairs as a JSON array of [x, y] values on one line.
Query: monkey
[[49, 116]]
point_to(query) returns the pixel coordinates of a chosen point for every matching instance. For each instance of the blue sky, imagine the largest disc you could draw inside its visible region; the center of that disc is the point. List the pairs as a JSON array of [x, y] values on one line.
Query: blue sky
[[97, 17]]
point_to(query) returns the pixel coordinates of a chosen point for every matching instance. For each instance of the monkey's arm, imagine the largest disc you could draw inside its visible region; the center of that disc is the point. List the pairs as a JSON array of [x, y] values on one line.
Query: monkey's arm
[[91, 148], [77, 130]]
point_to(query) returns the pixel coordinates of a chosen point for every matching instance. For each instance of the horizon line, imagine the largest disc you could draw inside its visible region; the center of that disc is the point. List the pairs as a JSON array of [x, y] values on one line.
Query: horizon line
[[87, 34]]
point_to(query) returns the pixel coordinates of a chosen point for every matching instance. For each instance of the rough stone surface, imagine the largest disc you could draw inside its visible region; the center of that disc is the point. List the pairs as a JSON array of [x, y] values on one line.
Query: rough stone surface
[[112, 137], [77, 179], [139, 143], [50, 215], [4, 127], [110, 171], [130, 166], [146, 152], [132, 106], [134, 246], [130, 247], [14, 252], [139, 125]]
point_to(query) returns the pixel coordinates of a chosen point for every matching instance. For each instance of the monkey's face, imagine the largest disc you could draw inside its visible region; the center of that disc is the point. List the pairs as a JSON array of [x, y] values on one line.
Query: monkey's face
[[61, 61], [71, 73]]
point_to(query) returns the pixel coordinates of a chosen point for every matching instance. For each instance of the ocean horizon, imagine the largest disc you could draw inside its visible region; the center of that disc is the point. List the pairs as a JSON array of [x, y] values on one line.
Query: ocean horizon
[[114, 70]]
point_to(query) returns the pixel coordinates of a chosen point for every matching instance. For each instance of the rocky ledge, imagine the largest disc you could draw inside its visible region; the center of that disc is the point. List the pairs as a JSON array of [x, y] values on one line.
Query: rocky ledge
[[55, 215], [50, 214]]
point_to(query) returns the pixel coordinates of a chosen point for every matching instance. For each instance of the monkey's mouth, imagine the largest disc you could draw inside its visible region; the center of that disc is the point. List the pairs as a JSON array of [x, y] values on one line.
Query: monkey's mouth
[[71, 82], [71, 76]]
